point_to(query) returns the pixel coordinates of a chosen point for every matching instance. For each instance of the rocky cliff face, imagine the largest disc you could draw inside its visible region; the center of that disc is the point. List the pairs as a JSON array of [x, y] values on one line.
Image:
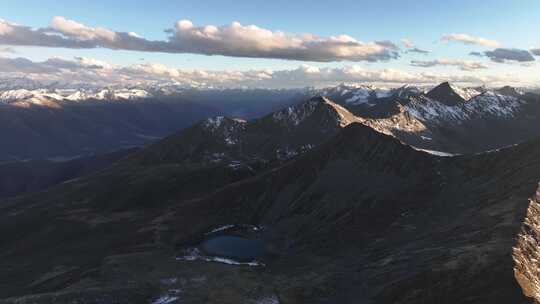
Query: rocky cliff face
[[447, 118], [527, 251]]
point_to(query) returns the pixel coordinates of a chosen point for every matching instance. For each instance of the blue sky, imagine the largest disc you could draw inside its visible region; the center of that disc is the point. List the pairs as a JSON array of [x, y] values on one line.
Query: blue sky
[[513, 24]]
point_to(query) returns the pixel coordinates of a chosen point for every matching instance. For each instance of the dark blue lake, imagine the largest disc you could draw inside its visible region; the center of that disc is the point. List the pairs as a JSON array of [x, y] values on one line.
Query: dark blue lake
[[234, 247]]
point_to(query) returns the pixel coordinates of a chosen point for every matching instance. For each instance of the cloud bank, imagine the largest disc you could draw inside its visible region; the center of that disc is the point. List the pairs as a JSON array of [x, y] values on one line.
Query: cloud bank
[[535, 52], [89, 71], [503, 55], [471, 40], [419, 51], [411, 47], [7, 50], [509, 55], [234, 40], [463, 65], [407, 43]]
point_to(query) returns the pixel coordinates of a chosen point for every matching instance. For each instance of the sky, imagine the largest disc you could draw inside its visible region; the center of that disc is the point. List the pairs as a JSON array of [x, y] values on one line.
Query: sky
[[272, 43]]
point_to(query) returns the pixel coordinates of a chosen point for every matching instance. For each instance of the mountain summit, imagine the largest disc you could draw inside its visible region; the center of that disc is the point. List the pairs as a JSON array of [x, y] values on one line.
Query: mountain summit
[[446, 94], [277, 136]]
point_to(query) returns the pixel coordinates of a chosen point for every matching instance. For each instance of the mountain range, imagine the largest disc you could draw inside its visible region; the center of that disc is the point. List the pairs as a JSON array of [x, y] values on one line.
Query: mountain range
[[38, 126], [52, 122], [358, 195], [446, 120]]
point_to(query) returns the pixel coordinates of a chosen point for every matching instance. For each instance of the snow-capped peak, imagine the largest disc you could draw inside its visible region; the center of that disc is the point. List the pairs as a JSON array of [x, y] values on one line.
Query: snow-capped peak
[[12, 95], [355, 94], [407, 91], [295, 114], [465, 93], [448, 94], [38, 96], [509, 91], [292, 116]]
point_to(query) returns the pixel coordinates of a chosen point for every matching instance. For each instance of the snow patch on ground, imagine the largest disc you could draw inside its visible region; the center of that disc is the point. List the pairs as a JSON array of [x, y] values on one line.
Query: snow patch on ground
[[294, 115], [165, 300], [497, 150], [227, 129], [231, 226], [437, 153], [213, 123], [194, 254], [222, 228]]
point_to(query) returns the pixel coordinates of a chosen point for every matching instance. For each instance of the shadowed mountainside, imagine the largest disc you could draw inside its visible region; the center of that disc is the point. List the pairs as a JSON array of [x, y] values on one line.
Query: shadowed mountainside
[[361, 218], [52, 128], [17, 178]]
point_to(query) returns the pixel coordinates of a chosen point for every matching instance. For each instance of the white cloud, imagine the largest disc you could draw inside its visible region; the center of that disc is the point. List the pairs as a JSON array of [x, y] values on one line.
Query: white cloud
[[93, 72], [417, 50], [407, 43], [23, 66], [135, 35], [252, 41], [235, 40], [468, 39], [411, 47], [5, 28], [464, 65], [80, 31], [7, 50]]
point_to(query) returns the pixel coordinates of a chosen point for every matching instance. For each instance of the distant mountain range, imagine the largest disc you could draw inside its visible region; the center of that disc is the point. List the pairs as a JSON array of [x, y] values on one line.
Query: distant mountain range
[[23, 92], [54, 122], [464, 122], [445, 120], [33, 124]]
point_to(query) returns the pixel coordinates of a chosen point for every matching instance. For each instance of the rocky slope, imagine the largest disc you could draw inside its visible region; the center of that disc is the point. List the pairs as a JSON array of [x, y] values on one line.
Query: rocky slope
[[526, 253], [361, 218], [446, 118], [277, 136]]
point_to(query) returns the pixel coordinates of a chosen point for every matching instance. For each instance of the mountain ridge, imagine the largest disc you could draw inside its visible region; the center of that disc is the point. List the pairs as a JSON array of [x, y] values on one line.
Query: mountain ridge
[[381, 208], [276, 136]]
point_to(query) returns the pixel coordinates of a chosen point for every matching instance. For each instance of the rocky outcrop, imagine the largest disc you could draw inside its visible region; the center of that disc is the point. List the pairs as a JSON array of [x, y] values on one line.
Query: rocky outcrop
[[527, 251], [280, 135]]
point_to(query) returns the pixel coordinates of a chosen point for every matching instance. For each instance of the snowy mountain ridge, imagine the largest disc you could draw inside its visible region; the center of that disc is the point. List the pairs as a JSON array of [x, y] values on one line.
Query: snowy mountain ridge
[[485, 104], [22, 89], [411, 114], [73, 95], [427, 119]]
